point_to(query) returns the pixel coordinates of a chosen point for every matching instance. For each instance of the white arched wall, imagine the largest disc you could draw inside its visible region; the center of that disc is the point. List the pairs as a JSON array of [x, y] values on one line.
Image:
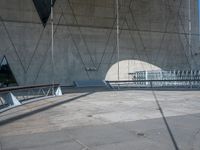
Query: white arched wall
[[126, 67]]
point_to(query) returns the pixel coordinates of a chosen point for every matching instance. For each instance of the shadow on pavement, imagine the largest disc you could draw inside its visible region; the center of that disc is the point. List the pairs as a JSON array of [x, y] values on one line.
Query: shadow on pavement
[[24, 115]]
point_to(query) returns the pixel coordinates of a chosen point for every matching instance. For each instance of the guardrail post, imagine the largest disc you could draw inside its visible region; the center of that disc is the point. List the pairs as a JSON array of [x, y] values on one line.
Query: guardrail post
[[151, 84], [11, 99], [58, 91]]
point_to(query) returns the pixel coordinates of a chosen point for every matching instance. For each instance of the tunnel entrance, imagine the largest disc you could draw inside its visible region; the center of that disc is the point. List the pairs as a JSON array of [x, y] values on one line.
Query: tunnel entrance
[[127, 68], [136, 73]]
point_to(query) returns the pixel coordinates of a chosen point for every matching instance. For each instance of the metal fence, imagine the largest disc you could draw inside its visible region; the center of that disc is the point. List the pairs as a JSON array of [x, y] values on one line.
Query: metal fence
[[195, 84], [166, 75]]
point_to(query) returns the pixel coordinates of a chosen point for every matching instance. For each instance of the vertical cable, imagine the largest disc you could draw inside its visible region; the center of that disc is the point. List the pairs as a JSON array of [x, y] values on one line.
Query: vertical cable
[[189, 27], [199, 16], [52, 47], [117, 11]]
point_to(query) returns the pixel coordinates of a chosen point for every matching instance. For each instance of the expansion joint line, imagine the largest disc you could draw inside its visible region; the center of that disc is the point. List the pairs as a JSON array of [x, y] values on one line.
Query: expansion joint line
[[85, 147], [194, 138], [1, 147], [157, 101], [165, 121]]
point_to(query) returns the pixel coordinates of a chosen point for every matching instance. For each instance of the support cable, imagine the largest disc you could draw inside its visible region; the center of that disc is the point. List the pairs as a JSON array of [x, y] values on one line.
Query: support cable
[[115, 46], [190, 26], [52, 47], [118, 44], [47, 50]]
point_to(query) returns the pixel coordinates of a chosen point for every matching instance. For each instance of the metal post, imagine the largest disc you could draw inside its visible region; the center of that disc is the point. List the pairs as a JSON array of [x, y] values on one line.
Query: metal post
[[146, 77], [199, 16], [117, 11], [1, 100], [52, 47], [189, 27], [128, 70]]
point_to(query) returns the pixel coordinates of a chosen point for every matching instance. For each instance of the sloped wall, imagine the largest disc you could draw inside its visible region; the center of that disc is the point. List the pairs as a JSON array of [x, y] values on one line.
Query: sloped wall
[[153, 31]]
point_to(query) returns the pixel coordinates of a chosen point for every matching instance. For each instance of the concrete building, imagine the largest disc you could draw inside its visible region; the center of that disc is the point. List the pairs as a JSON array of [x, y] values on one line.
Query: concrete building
[[154, 32]]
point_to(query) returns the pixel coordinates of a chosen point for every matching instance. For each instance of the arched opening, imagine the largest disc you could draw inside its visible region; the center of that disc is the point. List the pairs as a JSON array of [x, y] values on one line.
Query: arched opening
[[127, 68]]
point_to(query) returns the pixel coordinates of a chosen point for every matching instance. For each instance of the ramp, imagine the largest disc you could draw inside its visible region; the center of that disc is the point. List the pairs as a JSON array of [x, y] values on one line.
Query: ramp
[[90, 83]]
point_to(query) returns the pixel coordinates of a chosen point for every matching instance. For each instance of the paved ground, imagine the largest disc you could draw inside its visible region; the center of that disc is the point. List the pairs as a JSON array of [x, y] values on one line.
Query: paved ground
[[105, 120]]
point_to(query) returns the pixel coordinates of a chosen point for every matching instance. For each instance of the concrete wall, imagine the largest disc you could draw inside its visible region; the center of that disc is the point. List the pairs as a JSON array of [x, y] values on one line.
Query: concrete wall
[[153, 31]]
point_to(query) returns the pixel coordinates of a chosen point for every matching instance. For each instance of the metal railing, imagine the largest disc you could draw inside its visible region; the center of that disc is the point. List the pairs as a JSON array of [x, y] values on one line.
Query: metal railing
[[14, 96], [166, 75], [156, 83]]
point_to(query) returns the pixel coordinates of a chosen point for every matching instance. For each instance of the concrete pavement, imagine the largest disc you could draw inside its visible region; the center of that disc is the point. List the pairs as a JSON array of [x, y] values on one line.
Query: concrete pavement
[[105, 120]]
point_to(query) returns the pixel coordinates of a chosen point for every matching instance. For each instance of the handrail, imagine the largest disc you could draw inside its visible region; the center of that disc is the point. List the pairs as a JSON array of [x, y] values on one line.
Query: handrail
[[9, 89], [185, 83], [15, 96], [135, 81]]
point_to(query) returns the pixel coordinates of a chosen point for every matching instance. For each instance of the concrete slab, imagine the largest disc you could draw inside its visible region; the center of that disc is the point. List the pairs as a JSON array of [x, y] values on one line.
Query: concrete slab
[[45, 141], [104, 120]]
